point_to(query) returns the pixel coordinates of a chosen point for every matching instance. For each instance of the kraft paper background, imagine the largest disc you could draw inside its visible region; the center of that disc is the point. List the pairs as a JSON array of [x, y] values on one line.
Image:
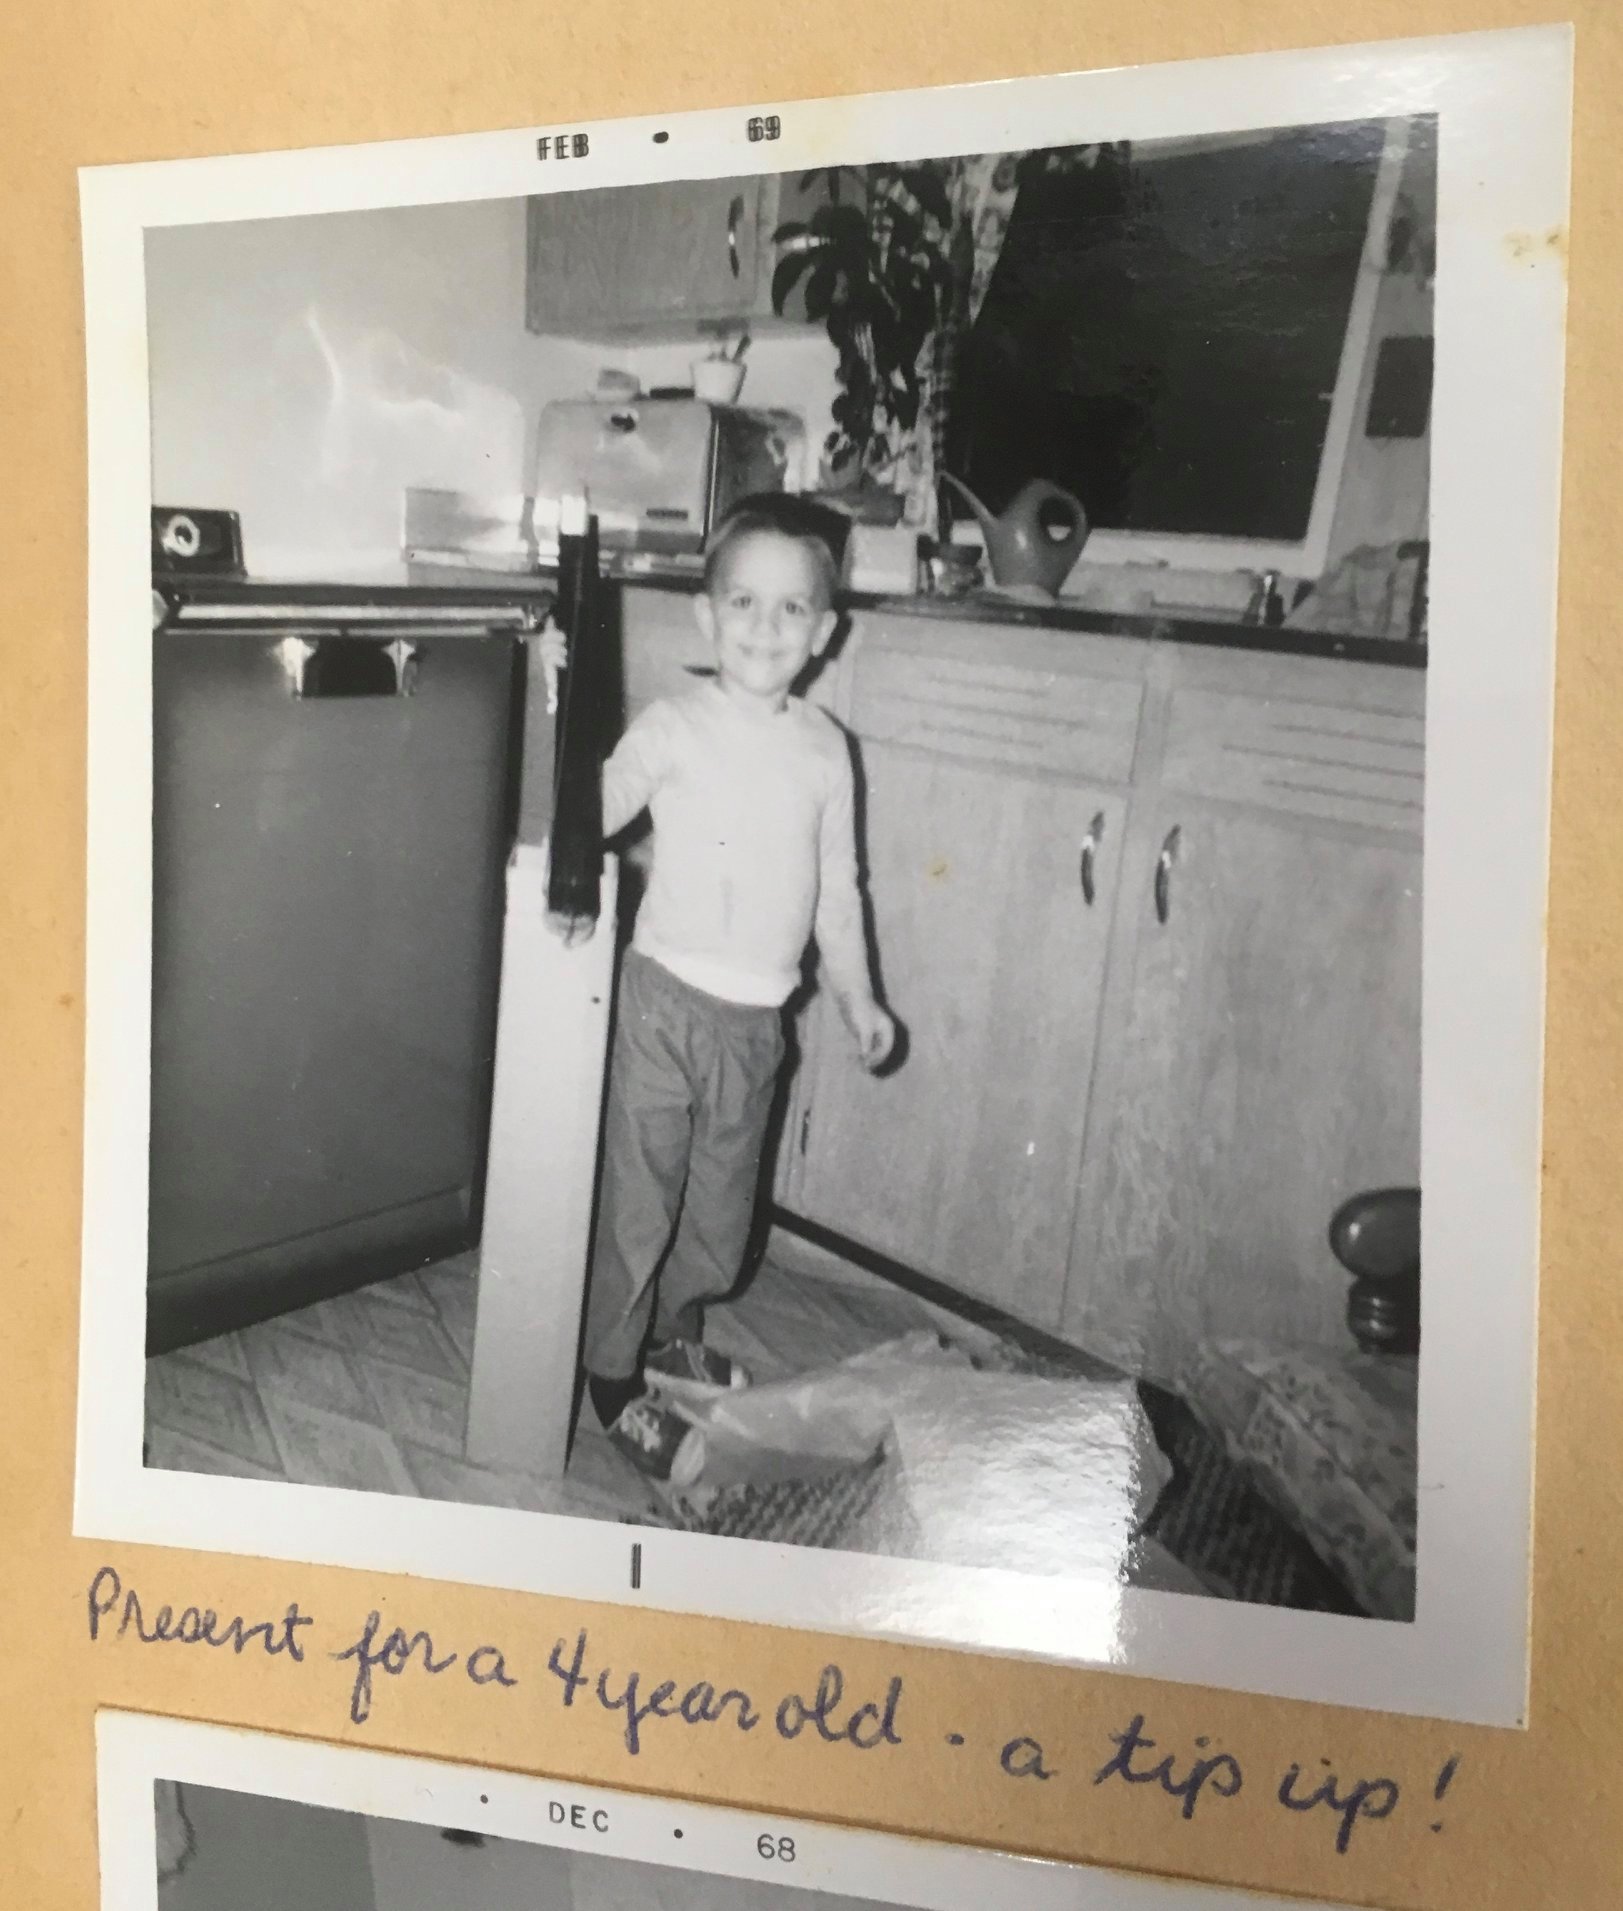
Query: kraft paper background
[[1533, 1817]]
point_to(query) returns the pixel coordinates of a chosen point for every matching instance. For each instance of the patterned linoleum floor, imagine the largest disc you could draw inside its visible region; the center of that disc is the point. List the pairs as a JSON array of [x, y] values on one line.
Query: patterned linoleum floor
[[370, 1390]]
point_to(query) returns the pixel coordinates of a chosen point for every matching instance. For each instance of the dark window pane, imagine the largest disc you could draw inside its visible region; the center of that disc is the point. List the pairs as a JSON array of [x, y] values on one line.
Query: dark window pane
[[1163, 331]]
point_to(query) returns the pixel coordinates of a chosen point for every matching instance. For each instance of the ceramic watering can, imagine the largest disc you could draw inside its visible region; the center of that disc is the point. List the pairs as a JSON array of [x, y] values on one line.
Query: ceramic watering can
[[1037, 539]]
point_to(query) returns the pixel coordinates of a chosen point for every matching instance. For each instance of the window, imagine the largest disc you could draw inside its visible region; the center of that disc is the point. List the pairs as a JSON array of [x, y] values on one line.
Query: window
[[1176, 333]]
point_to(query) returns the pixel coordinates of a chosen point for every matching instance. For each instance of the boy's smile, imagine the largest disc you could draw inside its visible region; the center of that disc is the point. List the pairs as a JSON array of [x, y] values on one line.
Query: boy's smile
[[767, 615]]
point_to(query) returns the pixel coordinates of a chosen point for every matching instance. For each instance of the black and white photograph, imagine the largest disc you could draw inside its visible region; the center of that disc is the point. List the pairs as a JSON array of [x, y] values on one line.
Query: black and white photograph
[[200, 1818], [801, 865], [226, 1851]]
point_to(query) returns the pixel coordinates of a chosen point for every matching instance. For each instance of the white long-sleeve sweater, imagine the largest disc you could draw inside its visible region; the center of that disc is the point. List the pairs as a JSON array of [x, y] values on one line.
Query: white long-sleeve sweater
[[754, 844]]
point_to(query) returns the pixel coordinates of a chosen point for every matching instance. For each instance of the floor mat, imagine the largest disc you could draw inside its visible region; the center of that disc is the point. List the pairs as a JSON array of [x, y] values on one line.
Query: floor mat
[[1212, 1521], [828, 1511]]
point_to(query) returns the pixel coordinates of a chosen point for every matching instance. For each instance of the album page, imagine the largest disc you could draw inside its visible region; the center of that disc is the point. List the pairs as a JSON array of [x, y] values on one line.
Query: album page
[[816, 844]]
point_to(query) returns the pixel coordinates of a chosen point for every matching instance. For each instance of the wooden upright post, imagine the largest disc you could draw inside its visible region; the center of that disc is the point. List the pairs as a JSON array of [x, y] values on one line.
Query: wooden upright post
[[551, 1043]]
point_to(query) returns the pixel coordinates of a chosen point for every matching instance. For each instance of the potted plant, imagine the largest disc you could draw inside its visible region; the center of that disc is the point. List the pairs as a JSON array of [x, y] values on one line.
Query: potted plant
[[719, 375], [875, 257]]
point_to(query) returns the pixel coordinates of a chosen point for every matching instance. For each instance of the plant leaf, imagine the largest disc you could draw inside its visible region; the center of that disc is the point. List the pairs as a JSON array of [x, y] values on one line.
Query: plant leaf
[[887, 336], [929, 187], [847, 225], [843, 231], [786, 276], [820, 288], [851, 414]]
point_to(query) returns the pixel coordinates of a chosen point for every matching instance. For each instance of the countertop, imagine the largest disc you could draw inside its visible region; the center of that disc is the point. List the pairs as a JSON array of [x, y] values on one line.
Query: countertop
[[460, 593]]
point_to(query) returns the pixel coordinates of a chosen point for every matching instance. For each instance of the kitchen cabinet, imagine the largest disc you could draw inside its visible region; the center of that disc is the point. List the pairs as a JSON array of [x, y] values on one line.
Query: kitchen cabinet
[[1267, 1038], [962, 1161], [1128, 1121], [662, 260], [993, 804], [1267, 1051]]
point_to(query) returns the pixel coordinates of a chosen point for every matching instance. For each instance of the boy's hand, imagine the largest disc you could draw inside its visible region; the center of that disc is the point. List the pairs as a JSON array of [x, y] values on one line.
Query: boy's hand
[[554, 650], [570, 930], [872, 1029]]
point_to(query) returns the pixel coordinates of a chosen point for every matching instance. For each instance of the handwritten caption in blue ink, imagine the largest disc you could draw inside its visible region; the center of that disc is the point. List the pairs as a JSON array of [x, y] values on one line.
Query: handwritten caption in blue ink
[[828, 1711]]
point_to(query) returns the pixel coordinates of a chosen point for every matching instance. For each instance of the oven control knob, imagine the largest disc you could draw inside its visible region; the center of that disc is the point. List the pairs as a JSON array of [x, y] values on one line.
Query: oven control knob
[[180, 536]]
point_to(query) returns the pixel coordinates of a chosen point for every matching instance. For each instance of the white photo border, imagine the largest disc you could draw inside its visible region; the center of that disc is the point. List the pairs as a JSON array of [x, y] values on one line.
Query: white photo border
[[1503, 105], [134, 1750]]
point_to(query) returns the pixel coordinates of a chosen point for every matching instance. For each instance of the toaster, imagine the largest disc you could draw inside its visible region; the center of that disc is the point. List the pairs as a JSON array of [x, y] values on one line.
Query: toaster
[[659, 473]]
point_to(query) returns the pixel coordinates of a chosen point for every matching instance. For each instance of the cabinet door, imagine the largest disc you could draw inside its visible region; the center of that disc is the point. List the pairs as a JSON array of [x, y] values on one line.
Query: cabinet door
[[1269, 1066], [961, 1161], [620, 259]]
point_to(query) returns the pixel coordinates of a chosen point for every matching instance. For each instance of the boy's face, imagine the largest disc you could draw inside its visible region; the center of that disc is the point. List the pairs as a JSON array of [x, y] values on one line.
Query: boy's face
[[767, 613]]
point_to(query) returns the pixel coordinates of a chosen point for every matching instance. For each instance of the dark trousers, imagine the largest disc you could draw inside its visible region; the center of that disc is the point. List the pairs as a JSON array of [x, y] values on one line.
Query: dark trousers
[[691, 1082]]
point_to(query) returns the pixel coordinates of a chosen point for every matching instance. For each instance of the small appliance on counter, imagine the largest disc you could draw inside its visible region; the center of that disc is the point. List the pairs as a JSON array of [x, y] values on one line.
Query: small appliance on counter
[[659, 472]]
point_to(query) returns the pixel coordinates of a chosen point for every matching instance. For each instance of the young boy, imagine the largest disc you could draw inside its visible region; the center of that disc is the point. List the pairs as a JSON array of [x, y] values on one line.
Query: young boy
[[754, 851]]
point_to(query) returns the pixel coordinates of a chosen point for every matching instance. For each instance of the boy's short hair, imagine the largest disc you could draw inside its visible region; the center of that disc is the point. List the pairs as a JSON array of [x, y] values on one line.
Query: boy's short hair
[[786, 514]]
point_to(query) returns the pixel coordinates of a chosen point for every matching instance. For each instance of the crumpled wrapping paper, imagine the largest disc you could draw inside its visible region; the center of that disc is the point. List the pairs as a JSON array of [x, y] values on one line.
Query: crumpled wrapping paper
[[1007, 1470], [818, 1422], [1026, 1473]]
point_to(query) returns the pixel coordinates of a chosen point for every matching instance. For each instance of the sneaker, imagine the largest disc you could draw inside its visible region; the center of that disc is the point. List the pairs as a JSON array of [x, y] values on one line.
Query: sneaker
[[689, 1370], [659, 1442]]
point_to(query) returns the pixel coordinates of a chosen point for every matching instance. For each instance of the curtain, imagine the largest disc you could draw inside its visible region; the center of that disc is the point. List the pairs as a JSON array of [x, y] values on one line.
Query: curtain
[[981, 191], [979, 196]]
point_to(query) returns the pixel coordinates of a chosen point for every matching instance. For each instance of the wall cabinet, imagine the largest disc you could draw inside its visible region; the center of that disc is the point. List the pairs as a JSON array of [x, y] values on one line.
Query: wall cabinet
[[661, 260]]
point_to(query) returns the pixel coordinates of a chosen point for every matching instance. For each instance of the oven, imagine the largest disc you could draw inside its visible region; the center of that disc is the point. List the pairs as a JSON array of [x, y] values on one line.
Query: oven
[[334, 790]]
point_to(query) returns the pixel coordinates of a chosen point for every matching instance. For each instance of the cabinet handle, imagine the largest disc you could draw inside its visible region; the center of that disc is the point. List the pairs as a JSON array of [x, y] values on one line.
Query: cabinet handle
[[735, 212], [1090, 851], [805, 1131], [1163, 873]]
